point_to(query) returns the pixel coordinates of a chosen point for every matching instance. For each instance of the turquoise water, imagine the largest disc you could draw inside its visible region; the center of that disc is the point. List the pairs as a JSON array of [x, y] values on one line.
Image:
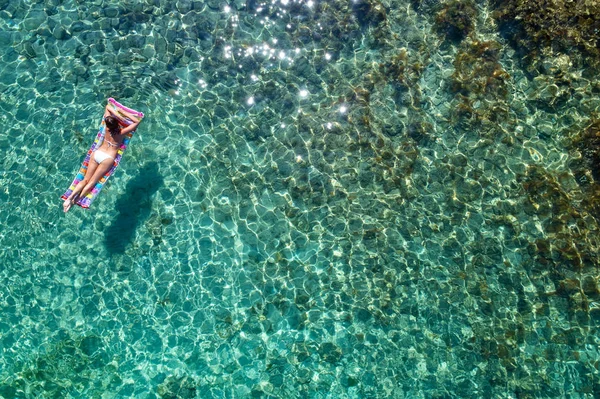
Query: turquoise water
[[326, 199]]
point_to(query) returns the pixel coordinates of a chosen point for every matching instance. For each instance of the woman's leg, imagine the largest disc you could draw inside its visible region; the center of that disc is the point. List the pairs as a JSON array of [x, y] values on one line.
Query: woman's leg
[[92, 166], [102, 168]]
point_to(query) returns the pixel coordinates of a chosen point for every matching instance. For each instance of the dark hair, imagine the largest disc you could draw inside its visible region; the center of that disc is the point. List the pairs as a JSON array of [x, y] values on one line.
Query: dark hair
[[112, 124]]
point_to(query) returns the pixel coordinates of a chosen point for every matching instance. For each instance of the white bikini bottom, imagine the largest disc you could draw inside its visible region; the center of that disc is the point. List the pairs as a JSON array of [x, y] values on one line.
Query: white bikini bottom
[[100, 156]]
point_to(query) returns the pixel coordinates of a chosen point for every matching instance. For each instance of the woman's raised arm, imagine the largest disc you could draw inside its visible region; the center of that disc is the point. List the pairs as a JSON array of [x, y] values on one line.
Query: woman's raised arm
[[131, 116]]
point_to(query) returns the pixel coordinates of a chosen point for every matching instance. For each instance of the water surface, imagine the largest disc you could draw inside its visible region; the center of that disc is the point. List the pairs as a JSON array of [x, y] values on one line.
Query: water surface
[[326, 199]]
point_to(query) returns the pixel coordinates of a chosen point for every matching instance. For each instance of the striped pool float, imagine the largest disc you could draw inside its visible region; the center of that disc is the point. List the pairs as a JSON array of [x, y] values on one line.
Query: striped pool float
[[86, 201]]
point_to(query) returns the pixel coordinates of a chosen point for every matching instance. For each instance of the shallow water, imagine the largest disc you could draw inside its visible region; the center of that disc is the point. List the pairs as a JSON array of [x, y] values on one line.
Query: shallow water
[[323, 201]]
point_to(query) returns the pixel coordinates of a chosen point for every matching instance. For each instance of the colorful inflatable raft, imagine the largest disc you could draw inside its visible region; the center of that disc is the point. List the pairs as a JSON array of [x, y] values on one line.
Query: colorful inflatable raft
[[86, 201]]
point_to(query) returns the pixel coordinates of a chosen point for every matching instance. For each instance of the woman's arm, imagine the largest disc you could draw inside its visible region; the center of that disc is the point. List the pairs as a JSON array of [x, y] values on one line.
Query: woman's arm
[[131, 127], [131, 116], [119, 114], [108, 111]]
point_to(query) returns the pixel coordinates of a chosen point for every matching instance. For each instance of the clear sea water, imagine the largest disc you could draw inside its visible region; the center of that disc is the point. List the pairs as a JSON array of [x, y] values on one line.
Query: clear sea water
[[325, 200]]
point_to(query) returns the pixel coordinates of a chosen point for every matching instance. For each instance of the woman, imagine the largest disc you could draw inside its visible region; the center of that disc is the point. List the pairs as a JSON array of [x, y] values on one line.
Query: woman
[[103, 157]]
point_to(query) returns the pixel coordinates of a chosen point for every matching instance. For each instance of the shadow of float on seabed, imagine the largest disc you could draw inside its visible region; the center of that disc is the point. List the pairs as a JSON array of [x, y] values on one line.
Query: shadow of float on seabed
[[134, 207]]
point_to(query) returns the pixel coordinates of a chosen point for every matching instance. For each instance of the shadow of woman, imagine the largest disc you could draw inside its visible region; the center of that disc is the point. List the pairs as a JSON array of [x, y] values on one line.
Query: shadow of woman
[[134, 207]]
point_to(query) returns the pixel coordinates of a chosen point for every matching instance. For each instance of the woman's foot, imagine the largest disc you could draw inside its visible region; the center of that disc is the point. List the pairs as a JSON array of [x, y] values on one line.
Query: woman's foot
[[68, 203]]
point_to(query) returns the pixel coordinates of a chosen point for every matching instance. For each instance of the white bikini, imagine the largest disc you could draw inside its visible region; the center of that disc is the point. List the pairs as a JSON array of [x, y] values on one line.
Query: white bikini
[[100, 155]]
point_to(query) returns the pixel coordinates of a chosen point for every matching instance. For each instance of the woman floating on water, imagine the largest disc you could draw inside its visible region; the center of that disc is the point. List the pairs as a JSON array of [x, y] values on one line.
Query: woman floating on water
[[103, 157]]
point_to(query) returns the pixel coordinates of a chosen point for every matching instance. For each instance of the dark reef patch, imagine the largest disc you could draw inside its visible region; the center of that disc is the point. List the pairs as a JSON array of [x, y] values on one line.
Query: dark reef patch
[[538, 28], [177, 388], [479, 85], [588, 143], [570, 240], [456, 20], [402, 70], [369, 12], [478, 72], [71, 361], [586, 165]]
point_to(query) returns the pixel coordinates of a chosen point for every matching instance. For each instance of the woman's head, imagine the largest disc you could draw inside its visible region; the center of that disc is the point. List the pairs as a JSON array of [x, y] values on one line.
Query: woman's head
[[112, 124]]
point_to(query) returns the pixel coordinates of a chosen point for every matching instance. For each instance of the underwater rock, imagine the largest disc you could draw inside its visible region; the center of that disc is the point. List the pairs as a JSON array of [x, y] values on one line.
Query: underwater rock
[[8, 391], [556, 65], [60, 33], [26, 49], [177, 388], [568, 287], [595, 316], [369, 12], [183, 6], [111, 12], [80, 26], [456, 19], [5, 38], [549, 92], [216, 4], [587, 143], [563, 27], [90, 345], [82, 52], [480, 86], [330, 352], [565, 246], [419, 5], [34, 19], [478, 72], [590, 287], [585, 166]]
